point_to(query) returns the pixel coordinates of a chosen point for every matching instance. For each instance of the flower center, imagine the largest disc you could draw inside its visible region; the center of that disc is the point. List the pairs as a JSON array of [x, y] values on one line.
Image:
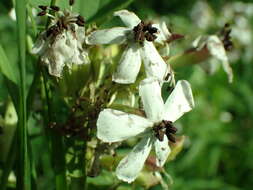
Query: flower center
[[226, 38], [63, 20], [165, 128], [144, 31]]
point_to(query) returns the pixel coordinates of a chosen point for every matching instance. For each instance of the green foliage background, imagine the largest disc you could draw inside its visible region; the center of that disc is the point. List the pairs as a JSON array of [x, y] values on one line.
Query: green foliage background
[[217, 153]]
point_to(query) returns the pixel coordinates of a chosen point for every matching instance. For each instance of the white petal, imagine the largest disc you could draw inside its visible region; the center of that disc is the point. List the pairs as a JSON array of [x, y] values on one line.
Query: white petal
[[162, 150], [128, 18], [115, 35], [129, 66], [39, 45], [150, 93], [114, 125], [163, 32], [130, 166], [153, 62], [179, 102], [216, 48]]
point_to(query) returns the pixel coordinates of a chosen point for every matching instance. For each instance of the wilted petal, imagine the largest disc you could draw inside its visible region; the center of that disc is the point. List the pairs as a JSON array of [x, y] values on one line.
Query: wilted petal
[[216, 48], [162, 150], [163, 33], [150, 93], [153, 62], [128, 18], [179, 102], [114, 125], [129, 66], [130, 166], [39, 44], [115, 35]]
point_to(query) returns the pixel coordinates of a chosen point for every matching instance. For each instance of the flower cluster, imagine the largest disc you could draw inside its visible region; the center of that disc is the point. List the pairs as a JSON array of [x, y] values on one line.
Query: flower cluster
[[63, 44]]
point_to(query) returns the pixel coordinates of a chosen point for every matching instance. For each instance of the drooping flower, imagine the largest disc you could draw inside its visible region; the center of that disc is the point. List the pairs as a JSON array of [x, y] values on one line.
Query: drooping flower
[[139, 37], [156, 129], [216, 48], [61, 44]]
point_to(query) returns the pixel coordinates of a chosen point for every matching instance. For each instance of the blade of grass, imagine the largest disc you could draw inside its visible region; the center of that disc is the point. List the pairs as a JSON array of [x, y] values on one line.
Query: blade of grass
[[5, 67], [24, 176]]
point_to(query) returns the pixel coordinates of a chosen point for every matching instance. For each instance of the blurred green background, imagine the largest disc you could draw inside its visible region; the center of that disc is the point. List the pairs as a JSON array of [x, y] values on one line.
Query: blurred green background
[[218, 150]]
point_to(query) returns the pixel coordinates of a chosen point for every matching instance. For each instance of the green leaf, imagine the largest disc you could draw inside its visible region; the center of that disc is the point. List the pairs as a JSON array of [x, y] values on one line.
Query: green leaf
[[6, 67], [87, 8], [107, 9]]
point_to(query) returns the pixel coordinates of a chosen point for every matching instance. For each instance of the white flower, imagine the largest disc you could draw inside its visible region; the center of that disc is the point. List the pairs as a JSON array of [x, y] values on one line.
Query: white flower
[[114, 125], [163, 38], [216, 49], [139, 47], [61, 43]]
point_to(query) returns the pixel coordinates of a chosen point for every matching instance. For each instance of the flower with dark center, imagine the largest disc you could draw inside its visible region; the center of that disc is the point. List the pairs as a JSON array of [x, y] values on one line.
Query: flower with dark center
[[156, 129], [214, 46], [139, 38], [62, 42]]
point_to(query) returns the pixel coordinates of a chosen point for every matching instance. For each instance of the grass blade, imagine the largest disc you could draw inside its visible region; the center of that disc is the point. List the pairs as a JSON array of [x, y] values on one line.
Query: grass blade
[[23, 178]]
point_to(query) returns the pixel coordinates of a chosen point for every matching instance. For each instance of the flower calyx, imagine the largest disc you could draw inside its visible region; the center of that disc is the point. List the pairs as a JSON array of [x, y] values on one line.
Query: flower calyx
[[144, 31], [165, 128]]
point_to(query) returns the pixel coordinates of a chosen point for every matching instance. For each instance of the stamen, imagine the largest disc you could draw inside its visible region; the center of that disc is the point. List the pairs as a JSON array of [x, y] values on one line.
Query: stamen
[[42, 13], [42, 7], [71, 2], [144, 31], [80, 20], [55, 8], [171, 138]]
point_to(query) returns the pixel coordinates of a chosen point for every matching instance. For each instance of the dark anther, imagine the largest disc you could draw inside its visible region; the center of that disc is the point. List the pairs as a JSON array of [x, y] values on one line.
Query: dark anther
[[226, 38], [171, 138], [165, 128], [42, 7], [71, 2], [55, 8], [150, 37], [144, 31], [53, 30], [42, 13], [80, 20]]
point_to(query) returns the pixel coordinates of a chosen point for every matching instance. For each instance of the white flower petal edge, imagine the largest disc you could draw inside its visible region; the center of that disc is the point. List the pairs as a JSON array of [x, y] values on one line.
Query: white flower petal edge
[[179, 102], [216, 48], [154, 64], [129, 65], [128, 18], [150, 93], [163, 33], [162, 151], [114, 125], [116, 35], [131, 165]]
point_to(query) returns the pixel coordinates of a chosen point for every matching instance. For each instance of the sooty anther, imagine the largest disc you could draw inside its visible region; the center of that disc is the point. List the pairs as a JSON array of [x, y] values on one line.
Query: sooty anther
[[144, 31], [42, 13], [165, 128], [55, 8], [71, 2], [42, 7], [226, 38]]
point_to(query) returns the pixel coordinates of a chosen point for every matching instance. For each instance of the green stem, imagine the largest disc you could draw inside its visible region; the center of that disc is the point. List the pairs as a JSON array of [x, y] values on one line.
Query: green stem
[[56, 141], [24, 176]]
